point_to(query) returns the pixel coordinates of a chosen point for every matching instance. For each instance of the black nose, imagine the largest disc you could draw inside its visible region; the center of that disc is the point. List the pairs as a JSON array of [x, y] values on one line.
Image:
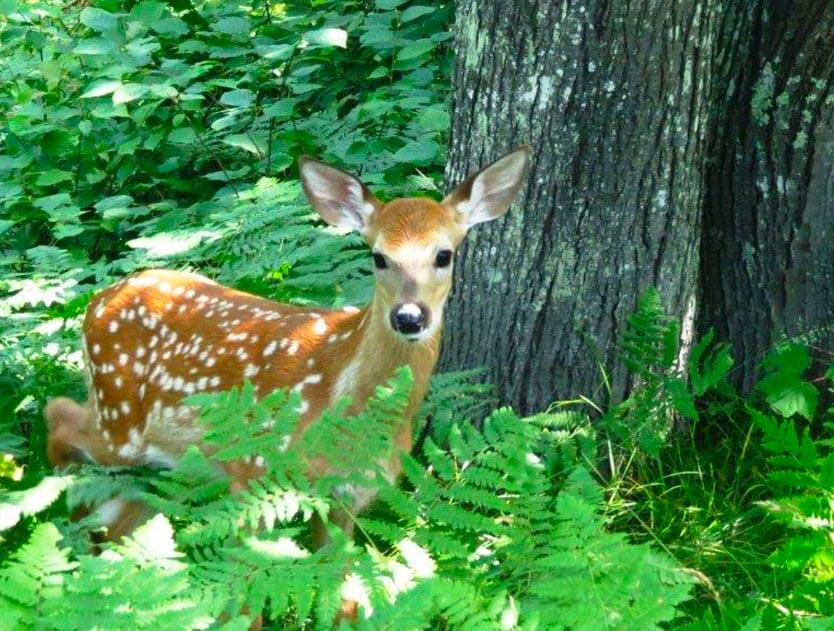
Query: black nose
[[409, 318]]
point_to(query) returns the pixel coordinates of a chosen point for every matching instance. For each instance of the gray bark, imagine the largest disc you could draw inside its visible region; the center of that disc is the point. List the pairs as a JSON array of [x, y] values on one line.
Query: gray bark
[[613, 97], [686, 144], [768, 248]]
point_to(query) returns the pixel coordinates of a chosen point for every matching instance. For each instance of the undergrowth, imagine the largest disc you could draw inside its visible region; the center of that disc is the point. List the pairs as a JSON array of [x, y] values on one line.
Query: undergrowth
[[146, 134]]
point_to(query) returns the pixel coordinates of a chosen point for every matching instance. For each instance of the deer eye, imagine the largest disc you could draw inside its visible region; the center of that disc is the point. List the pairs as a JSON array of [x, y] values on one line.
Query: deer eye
[[444, 257], [379, 261]]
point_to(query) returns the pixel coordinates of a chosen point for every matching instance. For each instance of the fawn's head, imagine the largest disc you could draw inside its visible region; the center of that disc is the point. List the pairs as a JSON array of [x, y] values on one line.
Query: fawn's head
[[414, 239]]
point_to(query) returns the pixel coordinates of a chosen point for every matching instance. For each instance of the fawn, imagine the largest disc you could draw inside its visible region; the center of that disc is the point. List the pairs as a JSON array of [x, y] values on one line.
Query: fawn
[[158, 336]]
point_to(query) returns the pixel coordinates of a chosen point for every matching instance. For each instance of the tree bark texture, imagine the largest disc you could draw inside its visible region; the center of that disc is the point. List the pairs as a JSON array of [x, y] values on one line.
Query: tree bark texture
[[677, 143], [768, 247], [613, 98]]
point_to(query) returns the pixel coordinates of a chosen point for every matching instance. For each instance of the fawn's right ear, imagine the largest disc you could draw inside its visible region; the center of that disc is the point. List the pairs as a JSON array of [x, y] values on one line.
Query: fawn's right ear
[[338, 197]]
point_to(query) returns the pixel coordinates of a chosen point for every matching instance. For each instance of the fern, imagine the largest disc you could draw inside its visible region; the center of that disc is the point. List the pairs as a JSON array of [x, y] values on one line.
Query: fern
[[650, 350], [587, 578], [147, 585], [17, 504], [802, 477], [33, 581]]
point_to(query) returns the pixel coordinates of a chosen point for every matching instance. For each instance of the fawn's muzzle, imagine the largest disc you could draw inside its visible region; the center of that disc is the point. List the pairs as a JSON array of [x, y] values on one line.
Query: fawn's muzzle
[[410, 318]]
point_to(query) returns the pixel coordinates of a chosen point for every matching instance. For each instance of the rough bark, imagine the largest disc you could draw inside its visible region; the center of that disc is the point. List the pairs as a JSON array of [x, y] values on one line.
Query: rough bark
[[613, 97], [768, 253]]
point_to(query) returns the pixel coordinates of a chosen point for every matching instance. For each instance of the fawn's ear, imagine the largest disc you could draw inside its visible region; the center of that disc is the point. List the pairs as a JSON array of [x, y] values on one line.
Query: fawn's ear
[[488, 193], [338, 197]]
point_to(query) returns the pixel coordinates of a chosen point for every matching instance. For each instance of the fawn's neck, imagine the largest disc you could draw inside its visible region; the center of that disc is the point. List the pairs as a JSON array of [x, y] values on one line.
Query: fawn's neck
[[378, 353]]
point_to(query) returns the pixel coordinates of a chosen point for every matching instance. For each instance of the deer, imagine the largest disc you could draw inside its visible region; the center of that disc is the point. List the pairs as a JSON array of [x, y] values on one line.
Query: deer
[[157, 336]]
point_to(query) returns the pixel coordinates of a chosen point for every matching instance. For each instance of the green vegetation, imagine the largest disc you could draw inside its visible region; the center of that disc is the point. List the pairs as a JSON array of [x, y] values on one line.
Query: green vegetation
[[150, 134]]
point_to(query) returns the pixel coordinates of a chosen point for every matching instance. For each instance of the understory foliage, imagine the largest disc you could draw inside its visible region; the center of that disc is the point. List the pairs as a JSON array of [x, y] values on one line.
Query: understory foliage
[[148, 134]]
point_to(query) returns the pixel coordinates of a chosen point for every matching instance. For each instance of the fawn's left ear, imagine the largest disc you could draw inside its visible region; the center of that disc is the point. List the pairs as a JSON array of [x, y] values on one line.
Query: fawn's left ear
[[488, 194]]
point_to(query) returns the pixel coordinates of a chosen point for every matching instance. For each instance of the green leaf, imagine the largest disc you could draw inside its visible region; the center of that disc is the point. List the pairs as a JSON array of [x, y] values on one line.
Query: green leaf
[[238, 98], [378, 72], [283, 108], [387, 5], [232, 26], [96, 46], [51, 202], [99, 20], [182, 136], [249, 142], [415, 49], [415, 11], [148, 11], [790, 397], [434, 119], [327, 37], [170, 27], [786, 391], [418, 152], [101, 88], [53, 176], [129, 92]]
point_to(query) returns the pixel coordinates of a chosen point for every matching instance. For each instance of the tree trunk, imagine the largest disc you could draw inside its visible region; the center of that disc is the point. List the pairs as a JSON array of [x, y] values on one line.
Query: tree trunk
[[768, 248], [613, 97], [685, 144]]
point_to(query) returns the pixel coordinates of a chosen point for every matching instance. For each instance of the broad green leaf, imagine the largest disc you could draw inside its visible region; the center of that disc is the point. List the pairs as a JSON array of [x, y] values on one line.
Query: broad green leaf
[[378, 72], [794, 397], [327, 37], [249, 142], [434, 119], [418, 152], [148, 11], [283, 108], [378, 37], [164, 91], [232, 26], [171, 27], [67, 230], [387, 5], [238, 98], [114, 201], [99, 20], [182, 136], [51, 202], [415, 11], [786, 391], [96, 46], [276, 51], [101, 88], [129, 92], [53, 176], [415, 49]]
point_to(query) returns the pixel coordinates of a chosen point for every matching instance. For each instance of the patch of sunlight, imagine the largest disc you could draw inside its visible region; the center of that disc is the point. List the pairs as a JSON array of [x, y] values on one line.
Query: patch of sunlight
[[282, 548], [168, 244]]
